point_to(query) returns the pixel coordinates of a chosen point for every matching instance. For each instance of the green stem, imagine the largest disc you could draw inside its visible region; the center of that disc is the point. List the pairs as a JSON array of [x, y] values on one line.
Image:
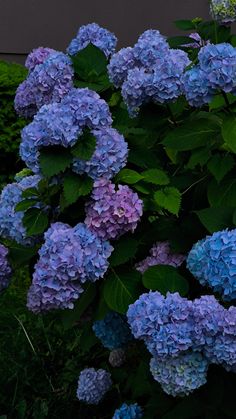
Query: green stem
[[172, 115]]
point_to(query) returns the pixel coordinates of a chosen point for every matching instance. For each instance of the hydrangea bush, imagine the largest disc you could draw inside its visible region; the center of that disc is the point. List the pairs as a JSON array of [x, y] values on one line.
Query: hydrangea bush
[[125, 213]]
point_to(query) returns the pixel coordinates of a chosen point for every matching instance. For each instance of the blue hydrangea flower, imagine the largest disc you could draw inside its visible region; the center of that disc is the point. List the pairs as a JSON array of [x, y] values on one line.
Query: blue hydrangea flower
[[38, 56], [11, 225], [96, 35], [213, 262], [219, 64], [196, 87], [128, 411], [109, 158], [134, 89], [113, 331], [223, 11], [5, 269], [120, 64], [182, 375], [68, 258], [150, 48], [93, 385]]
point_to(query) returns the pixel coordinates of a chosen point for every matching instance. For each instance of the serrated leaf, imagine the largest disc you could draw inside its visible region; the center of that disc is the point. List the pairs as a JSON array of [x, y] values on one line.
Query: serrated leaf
[[121, 290], [220, 165], [164, 278], [124, 250], [35, 221], [216, 218], [85, 146], [155, 176], [169, 198], [229, 132], [24, 205], [75, 186], [129, 176], [54, 160], [70, 317], [89, 63]]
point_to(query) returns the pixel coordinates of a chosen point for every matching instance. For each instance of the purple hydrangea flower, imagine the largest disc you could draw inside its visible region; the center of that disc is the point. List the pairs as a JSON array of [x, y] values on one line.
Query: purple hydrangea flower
[[223, 10], [110, 212], [160, 255], [47, 83], [213, 262], [109, 158], [120, 64], [5, 269], [128, 411], [38, 56], [180, 376], [69, 257], [96, 35], [196, 87], [93, 385], [134, 89], [117, 357], [113, 331], [11, 225], [150, 48], [199, 42]]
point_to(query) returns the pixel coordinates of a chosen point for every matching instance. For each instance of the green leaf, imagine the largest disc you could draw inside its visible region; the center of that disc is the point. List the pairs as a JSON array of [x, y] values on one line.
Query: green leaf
[[165, 278], [219, 165], [169, 198], [179, 41], [35, 221], [54, 160], [75, 186], [198, 157], [85, 146], [124, 250], [223, 193], [229, 132], [185, 25], [24, 205], [218, 101], [143, 158], [201, 132], [121, 290], [129, 176], [70, 317], [30, 192], [189, 407], [21, 255], [89, 63], [156, 176], [216, 218]]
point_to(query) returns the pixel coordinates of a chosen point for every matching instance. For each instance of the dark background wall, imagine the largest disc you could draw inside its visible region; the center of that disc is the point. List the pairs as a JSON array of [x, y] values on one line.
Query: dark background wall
[[26, 24]]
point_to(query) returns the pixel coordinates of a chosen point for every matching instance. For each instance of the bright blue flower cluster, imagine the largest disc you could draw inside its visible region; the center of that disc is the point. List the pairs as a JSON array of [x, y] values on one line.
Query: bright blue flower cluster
[[93, 385], [47, 82], [68, 258], [150, 71], [96, 35], [113, 331], [213, 262], [182, 375], [11, 225], [5, 269], [128, 411], [197, 88]]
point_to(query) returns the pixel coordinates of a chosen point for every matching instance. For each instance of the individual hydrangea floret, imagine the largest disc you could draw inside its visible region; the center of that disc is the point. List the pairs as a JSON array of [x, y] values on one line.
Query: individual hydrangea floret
[[223, 11], [120, 64], [117, 358], [68, 258], [38, 56], [5, 269], [11, 221], [113, 331], [160, 255], [213, 262], [150, 48], [93, 385], [180, 376], [196, 87], [109, 157], [96, 35], [110, 212], [128, 411]]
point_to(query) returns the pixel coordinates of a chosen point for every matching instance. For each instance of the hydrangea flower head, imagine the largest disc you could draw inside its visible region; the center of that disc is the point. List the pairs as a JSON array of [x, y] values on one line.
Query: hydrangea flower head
[[117, 357], [150, 48], [110, 212], [96, 35], [38, 56], [196, 87], [120, 64], [160, 254], [128, 411], [113, 331], [11, 224], [182, 375], [5, 269], [93, 385], [213, 262], [223, 10], [134, 89]]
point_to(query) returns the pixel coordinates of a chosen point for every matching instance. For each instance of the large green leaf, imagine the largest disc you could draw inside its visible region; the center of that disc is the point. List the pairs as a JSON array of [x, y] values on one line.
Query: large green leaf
[[129, 176], [219, 165], [90, 63], [156, 176], [179, 41], [216, 218], [169, 198], [165, 278], [124, 250], [75, 186], [85, 146], [223, 193], [229, 132], [35, 221], [54, 160], [185, 25], [25, 204]]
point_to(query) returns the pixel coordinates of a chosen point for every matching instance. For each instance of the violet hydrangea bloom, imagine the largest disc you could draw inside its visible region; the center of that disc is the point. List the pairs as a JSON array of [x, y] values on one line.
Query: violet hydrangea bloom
[[213, 262], [150, 48], [128, 411], [160, 255], [5, 269], [93, 385], [196, 87], [38, 56], [11, 224], [113, 331], [182, 375], [135, 88], [120, 64], [223, 11], [110, 212], [96, 35]]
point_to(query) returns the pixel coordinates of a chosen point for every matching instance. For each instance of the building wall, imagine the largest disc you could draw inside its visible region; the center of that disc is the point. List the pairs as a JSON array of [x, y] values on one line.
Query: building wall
[[25, 24]]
